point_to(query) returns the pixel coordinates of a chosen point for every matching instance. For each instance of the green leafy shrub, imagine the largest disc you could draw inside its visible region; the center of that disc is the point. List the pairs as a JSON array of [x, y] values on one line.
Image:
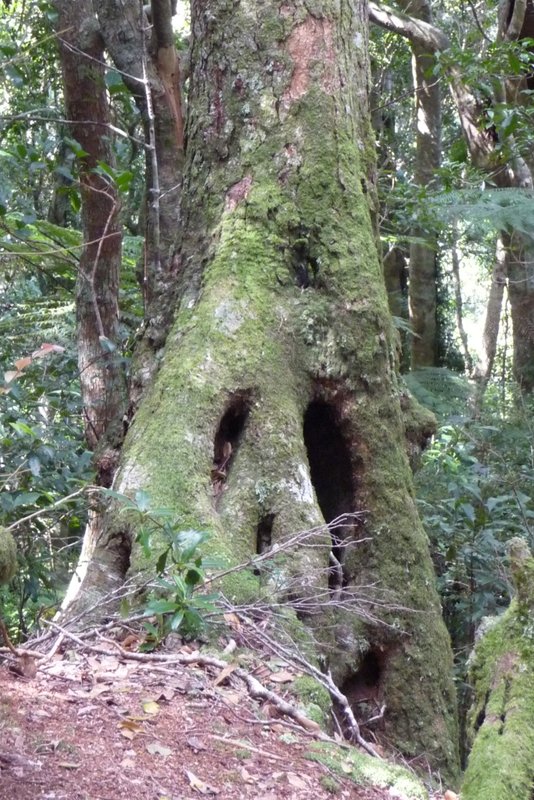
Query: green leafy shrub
[[175, 601]]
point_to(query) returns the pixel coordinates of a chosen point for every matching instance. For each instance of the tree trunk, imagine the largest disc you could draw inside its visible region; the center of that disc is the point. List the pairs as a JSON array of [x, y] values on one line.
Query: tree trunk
[[97, 287], [492, 321], [423, 248], [276, 407], [146, 57]]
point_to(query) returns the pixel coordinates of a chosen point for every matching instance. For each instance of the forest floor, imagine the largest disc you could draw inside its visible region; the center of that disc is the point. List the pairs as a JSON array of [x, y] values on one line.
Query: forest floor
[[94, 726]]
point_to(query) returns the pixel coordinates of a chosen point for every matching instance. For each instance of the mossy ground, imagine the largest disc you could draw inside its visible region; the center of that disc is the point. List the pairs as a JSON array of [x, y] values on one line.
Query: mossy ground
[[365, 770]]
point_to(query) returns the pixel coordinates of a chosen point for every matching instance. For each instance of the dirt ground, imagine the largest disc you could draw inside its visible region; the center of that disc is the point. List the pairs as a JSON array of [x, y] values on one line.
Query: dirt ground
[[98, 727]]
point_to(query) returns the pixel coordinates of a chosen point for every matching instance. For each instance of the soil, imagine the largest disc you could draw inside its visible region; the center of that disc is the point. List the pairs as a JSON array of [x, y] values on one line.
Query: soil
[[99, 727]]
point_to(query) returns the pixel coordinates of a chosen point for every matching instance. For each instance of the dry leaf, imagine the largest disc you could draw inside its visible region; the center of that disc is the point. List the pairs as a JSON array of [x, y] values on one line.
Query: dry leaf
[[68, 765], [198, 785], [196, 744], [150, 707], [261, 672], [246, 776], [281, 677], [158, 749], [47, 348], [346, 766], [129, 729], [22, 363], [295, 781], [224, 673], [130, 642], [450, 795], [232, 620]]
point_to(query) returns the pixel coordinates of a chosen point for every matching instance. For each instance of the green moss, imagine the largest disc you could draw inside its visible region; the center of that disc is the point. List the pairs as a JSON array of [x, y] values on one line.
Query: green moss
[[501, 721], [314, 699], [310, 691], [8, 556], [364, 770], [329, 784]]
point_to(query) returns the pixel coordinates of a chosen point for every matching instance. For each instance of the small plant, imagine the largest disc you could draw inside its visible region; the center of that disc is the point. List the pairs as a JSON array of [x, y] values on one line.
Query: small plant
[[175, 604]]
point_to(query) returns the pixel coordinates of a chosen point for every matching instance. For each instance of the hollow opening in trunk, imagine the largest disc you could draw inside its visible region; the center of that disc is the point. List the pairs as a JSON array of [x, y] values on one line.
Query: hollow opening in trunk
[[228, 437], [363, 689], [332, 476], [264, 532]]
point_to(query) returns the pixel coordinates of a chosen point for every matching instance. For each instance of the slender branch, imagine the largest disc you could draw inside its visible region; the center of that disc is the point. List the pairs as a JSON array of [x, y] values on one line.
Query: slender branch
[[418, 31]]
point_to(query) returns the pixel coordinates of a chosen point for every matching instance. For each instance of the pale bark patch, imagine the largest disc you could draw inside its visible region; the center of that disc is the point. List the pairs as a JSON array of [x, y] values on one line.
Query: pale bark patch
[[237, 193], [311, 43]]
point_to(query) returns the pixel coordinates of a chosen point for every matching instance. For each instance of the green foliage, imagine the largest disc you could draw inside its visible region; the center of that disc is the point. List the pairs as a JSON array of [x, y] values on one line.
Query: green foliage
[[476, 492], [499, 209], [175, 601], [444, 392]]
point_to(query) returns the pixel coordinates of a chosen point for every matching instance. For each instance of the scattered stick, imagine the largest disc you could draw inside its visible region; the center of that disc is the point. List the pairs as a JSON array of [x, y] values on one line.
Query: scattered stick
[[247, 746], [255, 688]]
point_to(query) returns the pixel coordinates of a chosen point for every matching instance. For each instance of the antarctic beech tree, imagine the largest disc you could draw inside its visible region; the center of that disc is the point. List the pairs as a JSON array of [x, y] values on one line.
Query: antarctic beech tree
[[276, 406]]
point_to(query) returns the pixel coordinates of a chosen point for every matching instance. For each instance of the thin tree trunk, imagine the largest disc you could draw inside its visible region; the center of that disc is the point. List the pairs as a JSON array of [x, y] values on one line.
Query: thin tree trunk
[[97, 286], [145, 54], [455, 259], [423, 248], [483, 370]]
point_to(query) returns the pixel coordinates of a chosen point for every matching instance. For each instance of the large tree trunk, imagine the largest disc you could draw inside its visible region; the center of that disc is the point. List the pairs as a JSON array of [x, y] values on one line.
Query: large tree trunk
[[281, 361]]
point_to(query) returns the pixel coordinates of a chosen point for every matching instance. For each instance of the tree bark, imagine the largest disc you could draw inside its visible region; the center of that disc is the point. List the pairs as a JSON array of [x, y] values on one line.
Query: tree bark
[[276, 407], [492, 321], [97, 286], [423, 248]]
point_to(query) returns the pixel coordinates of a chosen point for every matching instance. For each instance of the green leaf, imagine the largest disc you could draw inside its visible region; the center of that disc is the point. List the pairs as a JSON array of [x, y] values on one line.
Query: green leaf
[[160, 606], [142, 500]]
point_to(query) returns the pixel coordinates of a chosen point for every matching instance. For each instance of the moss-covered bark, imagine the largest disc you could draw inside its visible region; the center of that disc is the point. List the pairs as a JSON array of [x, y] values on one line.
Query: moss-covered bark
[[501, 763], [276, 406]]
